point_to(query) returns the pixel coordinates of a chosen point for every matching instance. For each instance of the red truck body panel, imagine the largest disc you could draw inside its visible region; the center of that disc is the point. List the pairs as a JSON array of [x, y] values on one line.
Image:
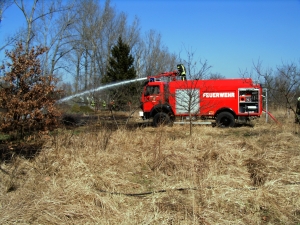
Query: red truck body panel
[[204, 97]]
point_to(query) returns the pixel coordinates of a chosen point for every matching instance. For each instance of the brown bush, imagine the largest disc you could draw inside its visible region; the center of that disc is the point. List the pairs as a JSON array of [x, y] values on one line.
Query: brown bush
[[26, 95]]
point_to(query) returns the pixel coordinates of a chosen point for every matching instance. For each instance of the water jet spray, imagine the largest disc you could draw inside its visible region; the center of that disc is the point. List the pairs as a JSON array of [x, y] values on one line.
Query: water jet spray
[[100, 89]]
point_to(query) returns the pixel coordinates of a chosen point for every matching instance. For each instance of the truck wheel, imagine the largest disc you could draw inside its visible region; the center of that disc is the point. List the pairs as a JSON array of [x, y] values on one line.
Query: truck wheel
[[225, 119], [161, 118]]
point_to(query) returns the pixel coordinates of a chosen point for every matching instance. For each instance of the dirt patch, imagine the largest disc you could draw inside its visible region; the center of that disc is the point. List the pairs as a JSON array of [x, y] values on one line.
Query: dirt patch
[[25, 150]]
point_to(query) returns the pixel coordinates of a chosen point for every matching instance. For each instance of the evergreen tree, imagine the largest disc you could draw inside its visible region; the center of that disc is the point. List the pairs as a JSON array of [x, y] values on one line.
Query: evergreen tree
[[120, 64], [121, 68]]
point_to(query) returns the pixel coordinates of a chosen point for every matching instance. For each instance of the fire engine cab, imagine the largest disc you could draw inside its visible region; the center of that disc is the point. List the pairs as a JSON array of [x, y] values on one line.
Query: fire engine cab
[[168, 96]]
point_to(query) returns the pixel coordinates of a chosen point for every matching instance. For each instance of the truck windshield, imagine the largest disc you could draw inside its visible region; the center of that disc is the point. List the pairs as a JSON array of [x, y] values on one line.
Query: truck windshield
[[152, 90]]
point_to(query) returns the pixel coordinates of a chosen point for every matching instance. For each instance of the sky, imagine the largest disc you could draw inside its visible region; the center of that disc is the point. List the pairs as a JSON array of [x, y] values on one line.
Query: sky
[[230, 34]]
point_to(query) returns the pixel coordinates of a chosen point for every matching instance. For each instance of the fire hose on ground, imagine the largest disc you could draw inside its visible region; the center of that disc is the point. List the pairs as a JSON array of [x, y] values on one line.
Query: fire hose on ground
[[273, 118]]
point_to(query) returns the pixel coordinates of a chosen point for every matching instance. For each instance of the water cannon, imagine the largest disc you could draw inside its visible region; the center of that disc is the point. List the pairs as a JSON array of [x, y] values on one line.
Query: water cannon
[[101, 88], [166, 76]]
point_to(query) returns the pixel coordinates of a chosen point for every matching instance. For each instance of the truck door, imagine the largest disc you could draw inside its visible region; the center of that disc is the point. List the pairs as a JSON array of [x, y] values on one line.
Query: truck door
[[152, 97]]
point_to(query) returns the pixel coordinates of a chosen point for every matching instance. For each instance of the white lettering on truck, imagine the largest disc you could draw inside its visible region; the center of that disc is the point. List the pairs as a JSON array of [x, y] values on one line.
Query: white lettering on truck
[[218, 95]]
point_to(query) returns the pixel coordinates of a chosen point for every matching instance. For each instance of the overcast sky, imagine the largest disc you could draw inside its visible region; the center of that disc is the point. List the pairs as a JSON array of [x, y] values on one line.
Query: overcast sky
[[229, 34]]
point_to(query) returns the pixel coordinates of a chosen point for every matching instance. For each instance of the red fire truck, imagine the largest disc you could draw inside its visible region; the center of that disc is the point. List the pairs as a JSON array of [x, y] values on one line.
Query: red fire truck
[[225, 101]]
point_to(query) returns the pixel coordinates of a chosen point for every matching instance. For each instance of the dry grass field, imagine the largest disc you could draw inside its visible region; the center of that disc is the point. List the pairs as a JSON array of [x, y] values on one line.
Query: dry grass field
[[145, 175]]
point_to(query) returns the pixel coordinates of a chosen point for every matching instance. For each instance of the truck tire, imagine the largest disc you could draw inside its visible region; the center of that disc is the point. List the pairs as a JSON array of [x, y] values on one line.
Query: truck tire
[[161, 118], [225, 120]]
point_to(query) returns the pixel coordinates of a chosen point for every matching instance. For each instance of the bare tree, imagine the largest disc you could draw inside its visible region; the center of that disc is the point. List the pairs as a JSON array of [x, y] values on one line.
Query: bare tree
[[94, 39], [4, 4], [46, 25], [188, 100], [30, 18], [196, 68], [97, 30], [216, 76], [282, 83], [287, 81], [54, 32], [155, 57], [188, 97]]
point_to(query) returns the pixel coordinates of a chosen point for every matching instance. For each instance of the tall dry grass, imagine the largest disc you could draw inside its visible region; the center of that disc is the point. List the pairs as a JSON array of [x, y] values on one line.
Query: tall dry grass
[[243, 175]]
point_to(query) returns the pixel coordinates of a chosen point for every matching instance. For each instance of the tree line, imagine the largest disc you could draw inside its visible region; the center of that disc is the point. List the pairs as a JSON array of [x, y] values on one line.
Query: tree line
[[80, 36], [281, 84], [91, 43], [87, 41]]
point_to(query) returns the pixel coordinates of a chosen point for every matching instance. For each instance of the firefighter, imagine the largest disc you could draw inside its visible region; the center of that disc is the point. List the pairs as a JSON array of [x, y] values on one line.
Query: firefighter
[[93, 103], [129, 105], [112, 105], [181, 70], [297, 116]]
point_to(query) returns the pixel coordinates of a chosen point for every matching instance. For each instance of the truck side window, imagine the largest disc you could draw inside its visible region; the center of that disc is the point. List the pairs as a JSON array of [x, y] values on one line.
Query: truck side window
[[156, 90], [152, 90]]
